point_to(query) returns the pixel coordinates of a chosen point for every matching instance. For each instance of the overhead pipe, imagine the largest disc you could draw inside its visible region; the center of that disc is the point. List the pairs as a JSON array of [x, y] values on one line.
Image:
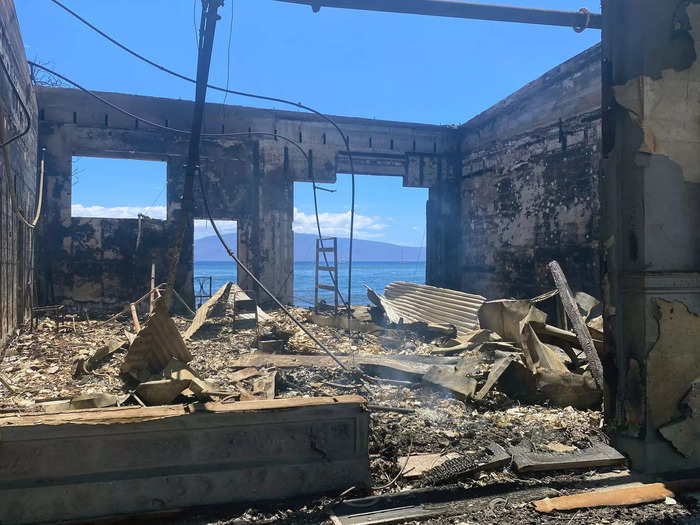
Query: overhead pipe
[[578, 20]]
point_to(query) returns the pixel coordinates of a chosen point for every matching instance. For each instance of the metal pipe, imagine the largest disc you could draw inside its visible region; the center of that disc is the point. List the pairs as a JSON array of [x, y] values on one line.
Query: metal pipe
[[578, 20]]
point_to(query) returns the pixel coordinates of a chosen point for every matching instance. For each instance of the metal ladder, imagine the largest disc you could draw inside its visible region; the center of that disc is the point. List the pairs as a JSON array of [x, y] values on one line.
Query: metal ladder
[[320, 248]]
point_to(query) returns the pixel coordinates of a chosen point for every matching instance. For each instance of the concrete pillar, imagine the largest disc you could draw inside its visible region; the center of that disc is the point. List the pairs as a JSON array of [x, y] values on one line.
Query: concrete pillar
[[266, 239], [53, 238], [650, 191], [443, 236], [184, 278]]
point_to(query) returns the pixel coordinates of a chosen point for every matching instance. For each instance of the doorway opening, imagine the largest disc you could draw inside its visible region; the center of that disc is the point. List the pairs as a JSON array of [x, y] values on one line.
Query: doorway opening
[[389, 241], [213, 267]]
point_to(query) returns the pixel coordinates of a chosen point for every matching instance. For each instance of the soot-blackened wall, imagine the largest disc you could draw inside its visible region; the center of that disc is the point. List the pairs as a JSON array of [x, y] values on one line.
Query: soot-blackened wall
[[95, 263], [16, 240], [529, 186]]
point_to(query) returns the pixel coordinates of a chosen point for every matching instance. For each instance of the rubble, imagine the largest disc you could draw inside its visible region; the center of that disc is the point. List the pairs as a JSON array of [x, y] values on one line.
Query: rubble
[[599, 455], [155, 346], [423, 404], [416, 465], [405, 303]]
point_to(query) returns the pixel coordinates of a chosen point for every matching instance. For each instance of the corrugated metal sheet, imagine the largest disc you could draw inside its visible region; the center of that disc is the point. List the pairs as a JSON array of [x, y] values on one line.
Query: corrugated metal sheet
[[413, 303], [155, 345]]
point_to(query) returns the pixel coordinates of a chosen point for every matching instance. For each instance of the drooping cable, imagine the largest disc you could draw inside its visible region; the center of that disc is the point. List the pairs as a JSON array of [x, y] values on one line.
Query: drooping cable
[[207, 30], [257, 281], [204, 199], [10, 179], [299, 105], [5, 142], [27, 116], [215, 135]]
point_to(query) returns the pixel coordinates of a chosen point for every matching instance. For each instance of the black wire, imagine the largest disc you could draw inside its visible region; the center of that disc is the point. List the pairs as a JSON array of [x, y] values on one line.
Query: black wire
[[194, 22], [220, 135], [21, 103], [255, 279], [228, 59], [250, 95]]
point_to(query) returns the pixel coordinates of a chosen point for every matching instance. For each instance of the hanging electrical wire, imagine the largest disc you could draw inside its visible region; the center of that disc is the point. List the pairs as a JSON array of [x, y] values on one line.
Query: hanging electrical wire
[[11, 182], [204, 199], [299, 105], [257, 281], [4, 143], [212, 135]]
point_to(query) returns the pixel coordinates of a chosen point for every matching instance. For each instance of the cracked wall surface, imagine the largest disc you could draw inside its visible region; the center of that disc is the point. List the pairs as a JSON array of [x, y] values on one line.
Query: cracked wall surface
[[16, 242], [650, 189]]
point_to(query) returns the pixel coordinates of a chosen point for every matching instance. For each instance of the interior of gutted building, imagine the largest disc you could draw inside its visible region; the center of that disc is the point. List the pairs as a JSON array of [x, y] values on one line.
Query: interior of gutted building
[[546, 368]]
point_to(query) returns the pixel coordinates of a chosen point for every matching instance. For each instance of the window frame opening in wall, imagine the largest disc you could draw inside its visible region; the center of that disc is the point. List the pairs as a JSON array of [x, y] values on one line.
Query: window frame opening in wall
[[107, 187], [386, 223]]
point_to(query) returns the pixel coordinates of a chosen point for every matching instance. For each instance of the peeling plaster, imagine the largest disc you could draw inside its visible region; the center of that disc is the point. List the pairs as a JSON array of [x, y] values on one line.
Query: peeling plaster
[[667, 109], [685, 434], [672, 364]]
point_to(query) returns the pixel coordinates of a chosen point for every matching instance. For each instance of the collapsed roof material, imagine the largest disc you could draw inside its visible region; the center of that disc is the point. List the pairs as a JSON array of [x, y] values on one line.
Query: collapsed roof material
[[404, 302]]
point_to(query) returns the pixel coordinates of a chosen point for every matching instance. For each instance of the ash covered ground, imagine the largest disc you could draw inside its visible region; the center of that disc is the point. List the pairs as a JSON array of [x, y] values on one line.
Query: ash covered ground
[[40, 366]]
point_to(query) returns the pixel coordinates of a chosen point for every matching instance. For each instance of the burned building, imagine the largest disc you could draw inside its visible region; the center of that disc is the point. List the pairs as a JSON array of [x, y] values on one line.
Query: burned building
[[595, 164]]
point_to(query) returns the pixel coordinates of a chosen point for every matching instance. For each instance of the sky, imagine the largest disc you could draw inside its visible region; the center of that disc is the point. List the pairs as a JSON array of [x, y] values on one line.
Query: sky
[[342, 62]]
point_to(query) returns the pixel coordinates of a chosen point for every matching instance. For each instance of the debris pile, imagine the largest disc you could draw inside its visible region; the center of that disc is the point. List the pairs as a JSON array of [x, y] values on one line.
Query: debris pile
[[509, 344], [510, 402]]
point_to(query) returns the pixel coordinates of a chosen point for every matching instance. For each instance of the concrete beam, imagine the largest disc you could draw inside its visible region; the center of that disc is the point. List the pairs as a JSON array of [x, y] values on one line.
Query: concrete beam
[[105, 462], [381, 146]]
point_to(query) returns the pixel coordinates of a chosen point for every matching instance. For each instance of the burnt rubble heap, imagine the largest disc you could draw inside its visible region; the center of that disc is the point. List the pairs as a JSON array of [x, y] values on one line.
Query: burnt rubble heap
[[485, 421]]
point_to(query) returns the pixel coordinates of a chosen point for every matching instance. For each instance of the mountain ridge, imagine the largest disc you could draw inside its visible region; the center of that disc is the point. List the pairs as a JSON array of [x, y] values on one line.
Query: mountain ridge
[[209, 249]]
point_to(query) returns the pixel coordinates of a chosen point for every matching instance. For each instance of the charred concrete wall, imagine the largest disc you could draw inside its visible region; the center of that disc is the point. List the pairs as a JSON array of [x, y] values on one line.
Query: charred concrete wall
[[16, 260], [510, 190], [529, 186], [95, 263], [651, 217]]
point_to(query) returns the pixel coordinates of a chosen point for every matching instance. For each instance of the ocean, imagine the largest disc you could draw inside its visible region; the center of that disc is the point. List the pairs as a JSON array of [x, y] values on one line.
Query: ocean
[[374, 274]]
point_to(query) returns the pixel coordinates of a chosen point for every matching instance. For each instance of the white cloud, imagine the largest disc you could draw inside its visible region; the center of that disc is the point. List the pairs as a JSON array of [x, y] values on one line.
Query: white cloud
[[338, 224], [117, 212], [202, 228], [335, 224]]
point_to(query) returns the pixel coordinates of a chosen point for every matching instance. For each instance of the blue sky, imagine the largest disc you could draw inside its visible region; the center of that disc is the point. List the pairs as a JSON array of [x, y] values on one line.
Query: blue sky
[[376, 65]]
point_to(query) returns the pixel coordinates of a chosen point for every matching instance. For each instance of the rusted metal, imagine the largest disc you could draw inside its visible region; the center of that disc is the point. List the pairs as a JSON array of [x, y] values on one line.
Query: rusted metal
[[578, 20]]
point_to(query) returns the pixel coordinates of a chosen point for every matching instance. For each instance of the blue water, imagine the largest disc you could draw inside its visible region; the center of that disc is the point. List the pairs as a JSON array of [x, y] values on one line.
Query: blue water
[[375, 274]]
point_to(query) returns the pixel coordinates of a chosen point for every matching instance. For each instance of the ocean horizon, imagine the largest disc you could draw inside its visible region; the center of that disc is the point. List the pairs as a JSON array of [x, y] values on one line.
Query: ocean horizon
[[376, 275]]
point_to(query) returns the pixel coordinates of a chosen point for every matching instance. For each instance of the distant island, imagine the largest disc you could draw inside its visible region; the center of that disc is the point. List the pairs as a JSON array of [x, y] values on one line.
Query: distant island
[[209, 249]]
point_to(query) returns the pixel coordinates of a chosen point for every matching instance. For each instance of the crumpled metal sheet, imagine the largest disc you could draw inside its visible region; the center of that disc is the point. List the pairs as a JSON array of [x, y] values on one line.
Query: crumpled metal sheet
[[155, 345], [405, 302]]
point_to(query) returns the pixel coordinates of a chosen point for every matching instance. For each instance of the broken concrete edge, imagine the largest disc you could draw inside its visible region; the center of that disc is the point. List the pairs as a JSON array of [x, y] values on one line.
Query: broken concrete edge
[[683, 432], [134, 414], [185, 456], [674, 407]]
